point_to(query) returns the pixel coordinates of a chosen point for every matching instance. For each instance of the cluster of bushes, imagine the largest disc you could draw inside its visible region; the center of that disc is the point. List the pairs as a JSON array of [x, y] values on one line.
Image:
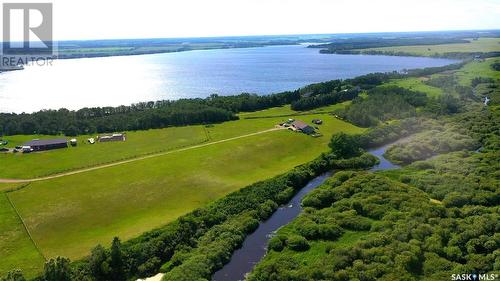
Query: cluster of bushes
[[335, 91], [457, 179], [397, 234], [344, 146], [438, 140], [214, 249], [479, 80], [382, 104], [445, 82], [463, 178], [449, 84], [387, 133], [391, 103]]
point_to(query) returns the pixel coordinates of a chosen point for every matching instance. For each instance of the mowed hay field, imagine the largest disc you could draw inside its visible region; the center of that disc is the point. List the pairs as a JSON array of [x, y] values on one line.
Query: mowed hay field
[[22, 166], [139, 143], [479, 45], [16, 248], [69, 215]]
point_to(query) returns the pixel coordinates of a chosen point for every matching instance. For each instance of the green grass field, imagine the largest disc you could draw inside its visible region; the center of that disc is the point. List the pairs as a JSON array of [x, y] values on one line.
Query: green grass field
[[416, 84], [16, 248], [24, 166], [19, 165], [69, 215], [477, 69], [480, 45]]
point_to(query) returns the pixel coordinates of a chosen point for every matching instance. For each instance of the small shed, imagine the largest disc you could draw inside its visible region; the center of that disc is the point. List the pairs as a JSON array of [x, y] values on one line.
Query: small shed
[[113, 137]]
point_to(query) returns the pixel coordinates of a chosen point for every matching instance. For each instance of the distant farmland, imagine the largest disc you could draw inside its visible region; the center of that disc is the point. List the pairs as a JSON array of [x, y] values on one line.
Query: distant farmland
[[479, 45]]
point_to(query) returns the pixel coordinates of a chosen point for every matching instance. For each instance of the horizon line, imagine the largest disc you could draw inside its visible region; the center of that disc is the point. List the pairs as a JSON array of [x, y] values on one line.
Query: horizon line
[[272, 35]]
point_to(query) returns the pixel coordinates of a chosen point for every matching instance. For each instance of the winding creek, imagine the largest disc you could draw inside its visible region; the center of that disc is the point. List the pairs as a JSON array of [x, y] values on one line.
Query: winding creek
[[384, 163], [254, 247]]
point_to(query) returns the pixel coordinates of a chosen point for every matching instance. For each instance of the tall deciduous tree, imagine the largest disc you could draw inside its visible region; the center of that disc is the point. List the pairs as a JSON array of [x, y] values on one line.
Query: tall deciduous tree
[[57, 269], [344, 145]]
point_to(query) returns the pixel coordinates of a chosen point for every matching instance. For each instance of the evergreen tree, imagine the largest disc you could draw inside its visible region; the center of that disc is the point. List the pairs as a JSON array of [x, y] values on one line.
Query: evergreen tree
[[116, 262]]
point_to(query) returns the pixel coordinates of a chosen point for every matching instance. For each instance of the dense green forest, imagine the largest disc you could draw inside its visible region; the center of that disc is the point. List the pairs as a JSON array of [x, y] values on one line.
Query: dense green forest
[[383, 104]]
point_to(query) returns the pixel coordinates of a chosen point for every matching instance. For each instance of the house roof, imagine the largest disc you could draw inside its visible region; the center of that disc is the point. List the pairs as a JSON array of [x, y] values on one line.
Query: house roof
[[45, 142], [300, 125]]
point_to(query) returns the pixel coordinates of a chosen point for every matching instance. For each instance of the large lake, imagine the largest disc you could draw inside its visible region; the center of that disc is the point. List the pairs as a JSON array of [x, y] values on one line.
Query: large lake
[[114, 81]]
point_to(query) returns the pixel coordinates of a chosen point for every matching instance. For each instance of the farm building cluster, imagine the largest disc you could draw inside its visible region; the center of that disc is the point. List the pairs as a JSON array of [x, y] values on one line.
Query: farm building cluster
[[49, 144], [303, 127]]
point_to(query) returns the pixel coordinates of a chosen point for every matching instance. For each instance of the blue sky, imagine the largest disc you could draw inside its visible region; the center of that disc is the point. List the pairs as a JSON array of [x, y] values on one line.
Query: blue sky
[[98, 19]]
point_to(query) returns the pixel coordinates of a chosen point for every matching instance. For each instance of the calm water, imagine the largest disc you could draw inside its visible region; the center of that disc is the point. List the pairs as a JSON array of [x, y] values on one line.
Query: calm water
[[115, 81], [384, 164], [254, 247]]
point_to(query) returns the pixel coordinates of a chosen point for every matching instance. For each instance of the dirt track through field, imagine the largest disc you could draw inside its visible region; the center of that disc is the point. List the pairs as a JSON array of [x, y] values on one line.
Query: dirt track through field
[[134, 159]]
